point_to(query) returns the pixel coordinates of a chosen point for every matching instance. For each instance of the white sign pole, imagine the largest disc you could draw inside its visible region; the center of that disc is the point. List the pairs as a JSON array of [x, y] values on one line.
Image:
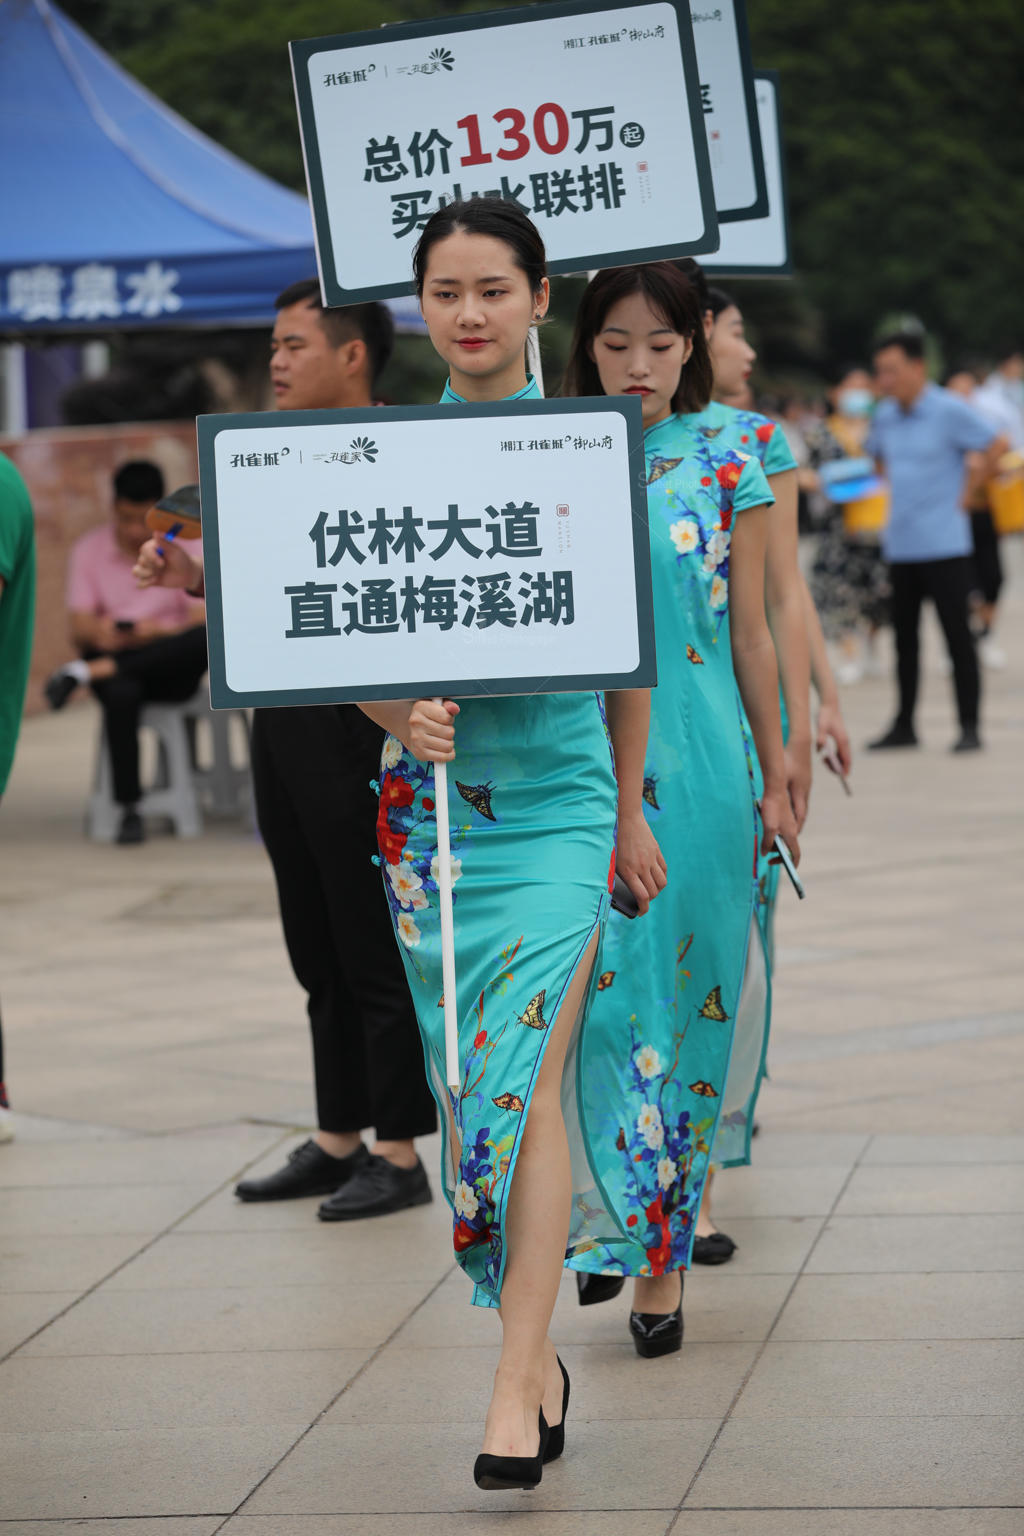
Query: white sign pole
[[533, 362], [453, 1062]]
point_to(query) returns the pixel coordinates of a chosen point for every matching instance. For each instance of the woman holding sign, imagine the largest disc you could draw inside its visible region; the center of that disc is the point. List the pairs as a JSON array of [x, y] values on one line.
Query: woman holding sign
[[535, 812], [662, 1025]]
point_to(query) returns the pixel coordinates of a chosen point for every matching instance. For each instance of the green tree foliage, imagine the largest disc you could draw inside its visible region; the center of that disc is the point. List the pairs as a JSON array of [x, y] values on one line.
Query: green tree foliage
[[905, 152]]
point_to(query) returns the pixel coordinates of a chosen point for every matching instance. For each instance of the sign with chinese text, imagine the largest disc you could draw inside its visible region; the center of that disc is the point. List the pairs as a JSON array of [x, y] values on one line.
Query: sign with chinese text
[[760, 247], [729, 107], [587, 113], [411, 551]]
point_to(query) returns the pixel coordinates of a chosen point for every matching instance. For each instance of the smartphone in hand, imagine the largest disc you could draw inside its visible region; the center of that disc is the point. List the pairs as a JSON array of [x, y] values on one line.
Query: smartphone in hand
[[830, 757], [786, 859], [623, 899]]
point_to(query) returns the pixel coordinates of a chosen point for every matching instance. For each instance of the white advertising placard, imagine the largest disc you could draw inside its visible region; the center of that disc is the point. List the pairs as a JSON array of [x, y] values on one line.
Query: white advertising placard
[[760, 247], [587, 114], [730, 111], [404, 552]]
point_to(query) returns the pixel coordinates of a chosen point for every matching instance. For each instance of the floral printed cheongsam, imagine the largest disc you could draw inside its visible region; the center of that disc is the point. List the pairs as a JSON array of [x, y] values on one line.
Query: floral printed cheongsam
[[749, 433], [660, 1033], [532, 803]]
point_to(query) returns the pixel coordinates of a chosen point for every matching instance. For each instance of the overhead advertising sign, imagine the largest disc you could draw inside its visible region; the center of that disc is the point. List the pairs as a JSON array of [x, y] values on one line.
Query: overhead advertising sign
[[413, 551], [587, 114], [760, 247], [730, 109]]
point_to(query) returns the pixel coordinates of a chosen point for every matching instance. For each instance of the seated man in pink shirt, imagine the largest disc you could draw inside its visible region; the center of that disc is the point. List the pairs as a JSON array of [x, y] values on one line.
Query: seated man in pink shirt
[[137, 646]]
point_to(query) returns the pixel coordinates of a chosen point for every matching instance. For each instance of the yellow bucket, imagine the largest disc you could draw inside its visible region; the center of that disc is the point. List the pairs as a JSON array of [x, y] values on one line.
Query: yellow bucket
[[1006, 494], [867, 515]]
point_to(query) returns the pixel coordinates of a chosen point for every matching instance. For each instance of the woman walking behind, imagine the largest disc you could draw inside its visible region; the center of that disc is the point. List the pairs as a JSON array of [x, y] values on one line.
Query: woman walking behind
[[797, 635], [662, 1025], [535, 809]]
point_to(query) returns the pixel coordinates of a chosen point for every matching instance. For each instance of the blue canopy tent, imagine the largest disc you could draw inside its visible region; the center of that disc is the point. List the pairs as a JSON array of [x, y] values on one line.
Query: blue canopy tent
[[116, 212]]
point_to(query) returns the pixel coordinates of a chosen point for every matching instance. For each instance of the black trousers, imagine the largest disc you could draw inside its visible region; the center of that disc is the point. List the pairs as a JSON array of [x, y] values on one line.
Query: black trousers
[[164, 671], [988, 566], [317, 814], [948, 584]]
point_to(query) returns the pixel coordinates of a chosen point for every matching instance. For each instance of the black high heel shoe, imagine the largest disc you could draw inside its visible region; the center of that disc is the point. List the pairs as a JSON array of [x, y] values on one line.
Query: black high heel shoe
[[594, 1288], [716, 1248], [658, 1333], [556, 1432], [498, 1474]]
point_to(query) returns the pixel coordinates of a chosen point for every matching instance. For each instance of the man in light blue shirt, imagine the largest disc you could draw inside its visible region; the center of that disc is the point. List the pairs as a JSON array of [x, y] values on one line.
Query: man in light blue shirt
[[932, 448]]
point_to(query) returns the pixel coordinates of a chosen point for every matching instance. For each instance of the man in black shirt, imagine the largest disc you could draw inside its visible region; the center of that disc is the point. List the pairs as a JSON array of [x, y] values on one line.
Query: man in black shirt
[[312, 768]]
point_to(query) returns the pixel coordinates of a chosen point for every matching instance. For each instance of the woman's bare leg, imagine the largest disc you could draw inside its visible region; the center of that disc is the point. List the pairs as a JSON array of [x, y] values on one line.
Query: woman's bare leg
[[536, 1232]]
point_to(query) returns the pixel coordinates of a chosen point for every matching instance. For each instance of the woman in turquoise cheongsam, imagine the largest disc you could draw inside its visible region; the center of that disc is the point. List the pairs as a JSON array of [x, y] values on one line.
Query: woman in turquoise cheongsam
[[800, 648], [535, 810], [660, 1032]]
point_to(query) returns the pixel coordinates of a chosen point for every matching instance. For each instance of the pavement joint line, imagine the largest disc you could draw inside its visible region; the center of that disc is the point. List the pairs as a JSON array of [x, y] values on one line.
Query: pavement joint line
[[763, 1345], [357, 1375], [164, 1232], [591, 1509]]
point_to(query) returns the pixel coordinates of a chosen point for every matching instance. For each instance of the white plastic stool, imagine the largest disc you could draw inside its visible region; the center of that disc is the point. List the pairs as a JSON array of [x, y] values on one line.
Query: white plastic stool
[[223, 788], [172, 793]]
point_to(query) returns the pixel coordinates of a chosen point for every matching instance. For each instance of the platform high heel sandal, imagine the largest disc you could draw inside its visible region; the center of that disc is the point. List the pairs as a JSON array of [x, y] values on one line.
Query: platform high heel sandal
[[658, 1333], [499, 1474], [556, 1432]]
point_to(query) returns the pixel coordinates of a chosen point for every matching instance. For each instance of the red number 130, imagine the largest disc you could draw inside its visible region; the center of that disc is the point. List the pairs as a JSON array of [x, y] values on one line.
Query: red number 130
[[551, 144]]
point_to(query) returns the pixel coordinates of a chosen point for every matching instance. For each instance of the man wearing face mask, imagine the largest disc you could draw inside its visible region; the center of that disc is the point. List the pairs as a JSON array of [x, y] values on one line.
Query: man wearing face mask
[[312, 767], [849, 582]]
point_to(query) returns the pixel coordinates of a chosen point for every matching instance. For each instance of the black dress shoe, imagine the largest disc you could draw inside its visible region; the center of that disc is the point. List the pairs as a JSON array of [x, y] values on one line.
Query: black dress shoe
[[969, 741], [896, 736], [496, 1474], [594, 1288], [377, 1189], [658, 1333], [556, 1432], [59, 687], [716, 1248], [309, 1171], [131, 829]]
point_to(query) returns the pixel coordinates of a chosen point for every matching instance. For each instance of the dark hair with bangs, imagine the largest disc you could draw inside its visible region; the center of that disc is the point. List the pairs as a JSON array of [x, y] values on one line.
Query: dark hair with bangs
[[673, 298], [493, 216]]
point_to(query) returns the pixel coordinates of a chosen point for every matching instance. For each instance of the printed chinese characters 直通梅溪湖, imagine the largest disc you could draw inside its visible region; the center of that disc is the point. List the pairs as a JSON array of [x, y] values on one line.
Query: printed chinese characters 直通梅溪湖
[[380, 605]]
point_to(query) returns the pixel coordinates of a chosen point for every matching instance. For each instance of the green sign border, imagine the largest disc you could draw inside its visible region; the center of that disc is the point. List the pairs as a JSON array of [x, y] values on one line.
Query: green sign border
[[786, 268], [759, 207], [224, 697], [301, 52]]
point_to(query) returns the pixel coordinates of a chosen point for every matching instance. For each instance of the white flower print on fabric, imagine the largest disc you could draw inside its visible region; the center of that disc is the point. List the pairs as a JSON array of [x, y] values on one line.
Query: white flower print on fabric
[[719, 593], [649, 1124], [648, 1062], [715, 550], [435, 869], [407, 885], [391, 754], [667, 1172], [685, 535], [466, 1202], [407, 930]]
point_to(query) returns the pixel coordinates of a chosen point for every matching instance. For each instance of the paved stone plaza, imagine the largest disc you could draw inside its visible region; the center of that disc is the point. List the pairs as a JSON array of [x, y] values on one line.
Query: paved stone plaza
[[173, 1363]]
